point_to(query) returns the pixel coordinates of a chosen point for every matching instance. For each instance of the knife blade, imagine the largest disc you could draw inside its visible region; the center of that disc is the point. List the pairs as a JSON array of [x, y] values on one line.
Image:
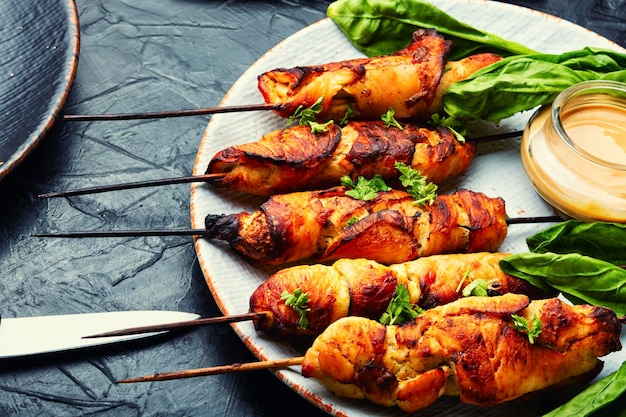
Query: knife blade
[[27, 336]]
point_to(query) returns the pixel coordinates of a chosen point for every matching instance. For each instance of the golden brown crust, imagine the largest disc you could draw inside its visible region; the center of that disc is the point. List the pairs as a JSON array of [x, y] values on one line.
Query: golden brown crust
[[328, 225], [487, 359], [459, 70], [361, 287], [405, 81], [295, 159]]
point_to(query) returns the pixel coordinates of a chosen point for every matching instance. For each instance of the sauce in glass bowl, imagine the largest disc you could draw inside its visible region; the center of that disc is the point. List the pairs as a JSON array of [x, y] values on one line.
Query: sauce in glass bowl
[[574, 151]]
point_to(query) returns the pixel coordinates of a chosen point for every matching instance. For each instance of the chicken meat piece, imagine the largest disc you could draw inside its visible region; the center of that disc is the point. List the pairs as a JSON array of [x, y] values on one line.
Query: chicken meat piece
[[296, 159], [361, 287], [390, 228], [366, 88], [469, 348]]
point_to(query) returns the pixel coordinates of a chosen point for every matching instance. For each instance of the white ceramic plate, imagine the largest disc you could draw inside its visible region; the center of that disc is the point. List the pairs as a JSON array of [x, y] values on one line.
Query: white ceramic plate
[[496, 171]]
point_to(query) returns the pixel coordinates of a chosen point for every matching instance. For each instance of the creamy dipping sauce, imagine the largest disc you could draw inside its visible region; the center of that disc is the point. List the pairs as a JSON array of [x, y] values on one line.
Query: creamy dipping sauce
[[598, 128], [574, 152]]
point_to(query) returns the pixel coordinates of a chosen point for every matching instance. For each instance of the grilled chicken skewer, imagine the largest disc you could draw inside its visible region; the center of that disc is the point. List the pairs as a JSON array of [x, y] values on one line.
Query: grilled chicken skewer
[[296, 158], [359, 287], [470, 348], [328, 225], [361, 85], [411, 82], [390, 228]]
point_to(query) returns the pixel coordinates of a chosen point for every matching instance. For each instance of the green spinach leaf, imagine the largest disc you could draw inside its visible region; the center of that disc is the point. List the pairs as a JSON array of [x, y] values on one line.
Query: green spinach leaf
[[581, 279], [523, 82], [601, 240], [596, 397], [380, 27]]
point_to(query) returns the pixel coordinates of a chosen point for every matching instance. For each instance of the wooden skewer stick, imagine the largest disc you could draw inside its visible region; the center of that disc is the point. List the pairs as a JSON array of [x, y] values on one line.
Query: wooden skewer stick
[[199, 178], [168, 113], [237, 367], [534, 219], [201, 232], [215, 370], [181, 325], [132, 185]]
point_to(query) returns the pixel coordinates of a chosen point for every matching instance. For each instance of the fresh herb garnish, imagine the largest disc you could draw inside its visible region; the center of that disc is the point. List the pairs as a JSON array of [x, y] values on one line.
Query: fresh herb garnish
[[346, 117], [477, 288], [352, 220], [454, 125], [299, 301], [601, 240], [580, 279], [390, 120], [415, 183], [606, 394], [306, 115], [532, 328], [320, 127], [364, 189], [400, 310], [379, 27]]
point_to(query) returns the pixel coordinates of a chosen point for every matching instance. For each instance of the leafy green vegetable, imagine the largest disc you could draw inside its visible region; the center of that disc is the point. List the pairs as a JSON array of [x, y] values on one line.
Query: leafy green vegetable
[[581, 279], [379, 27], [415, 183], [523, 82], [456, 126], [532, 328], [364, 189], [477, 288], [400, 310], [299, 301], [596, 397], [352, 221], [390, 120], [320, 127], [306, 114], [601, 240], [346, 117]]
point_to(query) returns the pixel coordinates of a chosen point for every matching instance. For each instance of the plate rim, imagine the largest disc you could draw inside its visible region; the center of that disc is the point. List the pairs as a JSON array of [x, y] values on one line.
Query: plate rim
[[58, 98]]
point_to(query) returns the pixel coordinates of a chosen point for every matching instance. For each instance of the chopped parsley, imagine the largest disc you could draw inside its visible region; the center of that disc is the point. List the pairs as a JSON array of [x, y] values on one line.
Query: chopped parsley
[[456, 126], [475, 287], [400, 310], [390, 120], [320, 127], [415, 183], [532, 328], [299, 301], [364, 189], [351, 221], [306, 115], [346, 117]]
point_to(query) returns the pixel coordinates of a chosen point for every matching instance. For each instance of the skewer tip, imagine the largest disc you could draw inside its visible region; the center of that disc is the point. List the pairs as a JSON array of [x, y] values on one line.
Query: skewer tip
[[181, 325], [216, 370]]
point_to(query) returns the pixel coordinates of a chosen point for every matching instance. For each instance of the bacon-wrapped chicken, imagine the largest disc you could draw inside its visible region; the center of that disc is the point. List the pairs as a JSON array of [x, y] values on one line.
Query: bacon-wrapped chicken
[[470, 348], [406, 81], [360, 287], [390, 228], [296, 159]]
